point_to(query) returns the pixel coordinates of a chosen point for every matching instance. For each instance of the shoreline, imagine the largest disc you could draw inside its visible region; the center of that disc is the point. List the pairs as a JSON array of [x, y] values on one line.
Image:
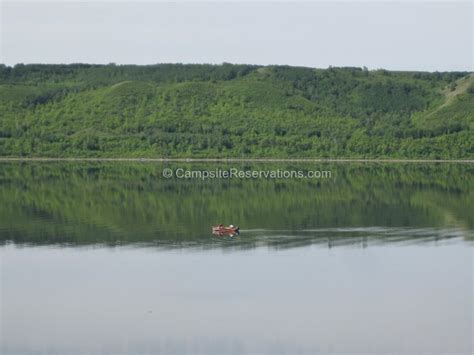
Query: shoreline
[[238, 160]]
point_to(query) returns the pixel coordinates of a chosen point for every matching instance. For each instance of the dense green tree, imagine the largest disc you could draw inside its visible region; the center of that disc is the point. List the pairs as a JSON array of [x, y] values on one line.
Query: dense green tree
[[230, 110]]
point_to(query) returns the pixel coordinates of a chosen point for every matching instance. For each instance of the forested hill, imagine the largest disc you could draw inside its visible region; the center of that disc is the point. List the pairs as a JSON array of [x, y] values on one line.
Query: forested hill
[[175, 110]]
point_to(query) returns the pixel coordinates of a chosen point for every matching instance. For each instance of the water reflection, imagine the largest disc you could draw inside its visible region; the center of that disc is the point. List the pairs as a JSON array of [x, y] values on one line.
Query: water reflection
[[113, 259], [131, 203]]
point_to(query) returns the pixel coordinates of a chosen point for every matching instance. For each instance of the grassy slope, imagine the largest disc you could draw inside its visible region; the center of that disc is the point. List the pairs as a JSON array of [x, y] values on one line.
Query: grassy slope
[[185, 111], [452, 121]]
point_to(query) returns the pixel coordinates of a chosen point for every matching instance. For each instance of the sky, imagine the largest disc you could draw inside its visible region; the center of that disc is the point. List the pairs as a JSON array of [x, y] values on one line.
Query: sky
[[396, 35]]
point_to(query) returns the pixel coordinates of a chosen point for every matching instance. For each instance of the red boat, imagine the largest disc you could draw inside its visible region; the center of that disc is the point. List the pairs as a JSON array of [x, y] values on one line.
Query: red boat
[[220, 229]]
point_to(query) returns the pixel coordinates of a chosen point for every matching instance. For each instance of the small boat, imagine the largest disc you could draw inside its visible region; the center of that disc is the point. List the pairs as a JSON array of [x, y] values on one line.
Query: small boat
[[220, 229]]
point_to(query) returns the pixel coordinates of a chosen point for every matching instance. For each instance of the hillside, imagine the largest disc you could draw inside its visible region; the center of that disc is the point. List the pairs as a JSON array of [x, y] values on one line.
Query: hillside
[[175, 110]]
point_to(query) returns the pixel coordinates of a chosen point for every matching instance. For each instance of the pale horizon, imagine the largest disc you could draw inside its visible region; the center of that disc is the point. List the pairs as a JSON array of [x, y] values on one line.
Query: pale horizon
[[400, 36]]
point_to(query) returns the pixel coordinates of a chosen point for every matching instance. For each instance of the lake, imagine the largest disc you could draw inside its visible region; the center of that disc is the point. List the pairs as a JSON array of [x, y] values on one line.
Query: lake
[[115, 258]]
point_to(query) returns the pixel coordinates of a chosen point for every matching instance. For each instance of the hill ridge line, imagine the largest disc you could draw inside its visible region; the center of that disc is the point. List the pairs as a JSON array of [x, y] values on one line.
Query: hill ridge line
[[230, 160]]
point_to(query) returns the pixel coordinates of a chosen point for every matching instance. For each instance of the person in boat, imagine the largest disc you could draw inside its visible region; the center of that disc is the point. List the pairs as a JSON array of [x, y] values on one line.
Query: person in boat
[[221, 227]]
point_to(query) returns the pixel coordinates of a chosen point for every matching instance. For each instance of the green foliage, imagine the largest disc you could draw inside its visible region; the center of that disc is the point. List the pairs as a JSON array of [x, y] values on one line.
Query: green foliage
[[176, 110]]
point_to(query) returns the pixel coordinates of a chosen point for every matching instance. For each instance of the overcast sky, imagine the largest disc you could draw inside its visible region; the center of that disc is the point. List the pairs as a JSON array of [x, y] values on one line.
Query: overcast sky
[[394, 35]]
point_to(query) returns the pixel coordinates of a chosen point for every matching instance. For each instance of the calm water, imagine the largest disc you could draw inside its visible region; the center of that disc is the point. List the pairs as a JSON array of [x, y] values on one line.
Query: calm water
[[112, 258]]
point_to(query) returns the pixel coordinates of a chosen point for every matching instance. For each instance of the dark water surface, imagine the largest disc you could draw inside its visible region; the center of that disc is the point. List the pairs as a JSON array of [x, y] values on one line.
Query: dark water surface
[[112, 258]]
